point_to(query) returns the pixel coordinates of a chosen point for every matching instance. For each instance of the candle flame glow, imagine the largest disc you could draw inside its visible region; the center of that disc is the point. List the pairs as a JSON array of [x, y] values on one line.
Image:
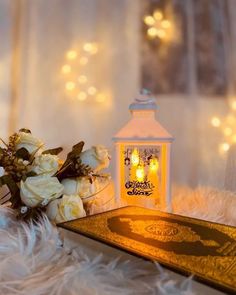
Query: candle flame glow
[[154, 165], [135, 157], [140, 173]]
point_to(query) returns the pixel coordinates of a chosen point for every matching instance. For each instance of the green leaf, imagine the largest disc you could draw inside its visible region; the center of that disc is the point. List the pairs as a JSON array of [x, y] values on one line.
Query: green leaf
[[68, 168], [8, 180], [13, 188], [2, 152], [78, 147], [76, 151], [29, 174], [34, 153], [23, 154], [54, 151]]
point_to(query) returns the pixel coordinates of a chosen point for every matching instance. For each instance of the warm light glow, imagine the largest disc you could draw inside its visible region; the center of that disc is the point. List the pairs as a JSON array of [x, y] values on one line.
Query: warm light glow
[[227, 127], [158, 14], [79, 83], [70, 86], [152, 32], [140, 173], [71, 54], [100, 97], [215, 121], [149, 20], [228, 131], [66, 69], [83, 60], [90, 48], [230, 119], [161, 34], [225, 147], [158, 27], [82, 79], [135, 157], [82, 96], [165, 24], [92, 90], [154, 165], [233, 105]]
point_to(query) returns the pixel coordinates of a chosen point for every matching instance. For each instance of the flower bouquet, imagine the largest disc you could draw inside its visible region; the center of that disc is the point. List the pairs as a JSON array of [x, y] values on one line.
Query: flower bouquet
[[38, 181]]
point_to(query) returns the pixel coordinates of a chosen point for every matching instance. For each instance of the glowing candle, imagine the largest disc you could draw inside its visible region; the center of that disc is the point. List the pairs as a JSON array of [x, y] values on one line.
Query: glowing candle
[[154, 165], [140, 173], [135, 157]]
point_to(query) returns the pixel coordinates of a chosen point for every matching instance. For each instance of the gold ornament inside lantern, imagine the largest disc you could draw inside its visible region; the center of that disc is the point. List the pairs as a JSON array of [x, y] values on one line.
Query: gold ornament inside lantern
[[143, 151]]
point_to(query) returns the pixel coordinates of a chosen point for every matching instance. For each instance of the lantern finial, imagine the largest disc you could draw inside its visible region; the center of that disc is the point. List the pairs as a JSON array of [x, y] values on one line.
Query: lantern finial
[[145, 91], [144, 101]]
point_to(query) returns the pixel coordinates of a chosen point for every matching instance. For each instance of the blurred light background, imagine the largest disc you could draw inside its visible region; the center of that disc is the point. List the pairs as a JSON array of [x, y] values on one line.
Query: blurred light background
[[69, 70]]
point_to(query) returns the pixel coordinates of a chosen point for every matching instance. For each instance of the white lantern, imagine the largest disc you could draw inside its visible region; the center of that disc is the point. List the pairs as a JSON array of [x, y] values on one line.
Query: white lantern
[[143, 152]]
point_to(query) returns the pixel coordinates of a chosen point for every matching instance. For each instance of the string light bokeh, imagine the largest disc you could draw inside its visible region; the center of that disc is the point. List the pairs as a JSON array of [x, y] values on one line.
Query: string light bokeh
[[227, 126], [157, 25], [77, 72]]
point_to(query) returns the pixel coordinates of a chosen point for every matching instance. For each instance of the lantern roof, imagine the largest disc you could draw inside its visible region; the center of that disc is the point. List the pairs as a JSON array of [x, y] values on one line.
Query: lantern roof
[[143, 125]]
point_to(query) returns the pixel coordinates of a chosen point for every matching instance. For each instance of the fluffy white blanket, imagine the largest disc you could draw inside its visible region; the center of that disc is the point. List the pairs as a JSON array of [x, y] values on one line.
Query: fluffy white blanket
[[33, 260]]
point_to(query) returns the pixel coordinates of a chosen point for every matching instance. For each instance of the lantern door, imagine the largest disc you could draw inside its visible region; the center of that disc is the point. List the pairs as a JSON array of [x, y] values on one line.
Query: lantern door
[[143, 173]]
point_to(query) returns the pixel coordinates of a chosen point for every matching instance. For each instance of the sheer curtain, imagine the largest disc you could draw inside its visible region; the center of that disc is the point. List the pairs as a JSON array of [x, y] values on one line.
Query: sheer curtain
[[5, 65], [35, 38]]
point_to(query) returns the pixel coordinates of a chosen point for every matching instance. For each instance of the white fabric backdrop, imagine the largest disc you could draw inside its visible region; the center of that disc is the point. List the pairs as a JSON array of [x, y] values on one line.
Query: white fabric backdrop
[[5, 64], [47, 30]]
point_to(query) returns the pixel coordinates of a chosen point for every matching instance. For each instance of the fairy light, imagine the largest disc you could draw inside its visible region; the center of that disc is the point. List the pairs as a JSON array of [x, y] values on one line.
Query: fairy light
[[149, 20], [152, 32], [135, 157], [165, 24], [70, 86], [233, 105], [71, 54], [100, 97], [92, 90], [228, 131], [90, 48], [82, 96], [140, 173], [161, 34], [154, 165], [158, 26], [158, 14], [227, 126], [224, 147], [66, 69], [79, 79], [215, 121]]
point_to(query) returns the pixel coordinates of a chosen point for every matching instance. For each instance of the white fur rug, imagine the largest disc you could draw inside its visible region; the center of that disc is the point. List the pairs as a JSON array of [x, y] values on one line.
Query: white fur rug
[[33, 261]]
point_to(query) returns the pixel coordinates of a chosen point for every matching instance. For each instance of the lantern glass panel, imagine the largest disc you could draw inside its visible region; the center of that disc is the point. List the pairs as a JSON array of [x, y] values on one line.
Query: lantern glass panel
[[143, 168]]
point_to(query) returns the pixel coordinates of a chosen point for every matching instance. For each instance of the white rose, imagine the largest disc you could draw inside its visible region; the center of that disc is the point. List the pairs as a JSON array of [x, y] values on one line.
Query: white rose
[[70, 186], [45, 164], [28, 141], [97, 158], [38, 189], [2, 171], [83, 187], [64, 209]]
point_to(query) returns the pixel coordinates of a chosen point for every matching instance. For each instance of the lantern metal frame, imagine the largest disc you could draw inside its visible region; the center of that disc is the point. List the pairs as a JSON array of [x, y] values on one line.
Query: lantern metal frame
[[143, 130]]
